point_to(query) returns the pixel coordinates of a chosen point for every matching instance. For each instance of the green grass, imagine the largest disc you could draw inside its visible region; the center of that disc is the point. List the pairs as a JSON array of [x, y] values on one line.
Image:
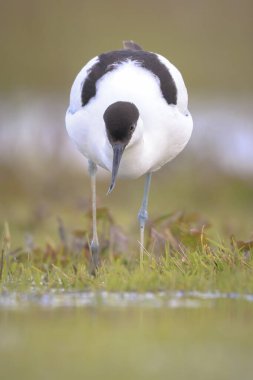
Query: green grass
[[180, 254], [207, 247]]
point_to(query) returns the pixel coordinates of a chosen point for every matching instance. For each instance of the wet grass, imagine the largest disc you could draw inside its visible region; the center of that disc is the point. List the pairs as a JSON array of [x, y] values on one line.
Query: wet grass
[[206, 247], [181, 254]]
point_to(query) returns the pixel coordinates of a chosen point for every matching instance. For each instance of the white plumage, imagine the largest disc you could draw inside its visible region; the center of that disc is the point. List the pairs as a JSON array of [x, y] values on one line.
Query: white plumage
[[129, 114], [162, 131]]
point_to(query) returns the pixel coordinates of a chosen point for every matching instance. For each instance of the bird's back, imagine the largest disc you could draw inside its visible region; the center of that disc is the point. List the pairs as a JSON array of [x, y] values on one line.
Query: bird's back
[[110, 62], [153, 67]]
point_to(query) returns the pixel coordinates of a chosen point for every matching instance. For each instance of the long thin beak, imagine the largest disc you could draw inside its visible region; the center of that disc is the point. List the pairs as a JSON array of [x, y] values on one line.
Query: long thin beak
[[118, 150]]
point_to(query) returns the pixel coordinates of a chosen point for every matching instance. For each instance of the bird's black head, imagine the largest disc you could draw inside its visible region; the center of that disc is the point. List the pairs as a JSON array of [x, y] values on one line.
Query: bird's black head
[[120, 122]]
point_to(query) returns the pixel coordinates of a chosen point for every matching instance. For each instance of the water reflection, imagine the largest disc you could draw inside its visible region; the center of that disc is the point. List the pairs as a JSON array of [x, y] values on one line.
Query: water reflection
[[171, 300], [33, 128]]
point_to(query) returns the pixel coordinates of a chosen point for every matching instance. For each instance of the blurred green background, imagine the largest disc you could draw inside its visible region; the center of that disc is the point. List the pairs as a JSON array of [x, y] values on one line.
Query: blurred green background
[[44, 44]]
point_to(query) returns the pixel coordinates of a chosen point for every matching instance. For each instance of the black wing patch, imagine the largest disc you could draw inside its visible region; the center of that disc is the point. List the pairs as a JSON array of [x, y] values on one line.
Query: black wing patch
[[147, 60]]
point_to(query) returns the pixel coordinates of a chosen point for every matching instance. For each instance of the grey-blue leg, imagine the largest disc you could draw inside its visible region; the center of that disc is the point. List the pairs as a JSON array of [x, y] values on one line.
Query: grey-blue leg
[[94, 246], [143, 216]]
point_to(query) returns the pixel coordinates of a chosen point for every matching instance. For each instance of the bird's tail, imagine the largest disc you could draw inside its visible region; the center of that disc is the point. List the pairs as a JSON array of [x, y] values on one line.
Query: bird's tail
[[131, 45]]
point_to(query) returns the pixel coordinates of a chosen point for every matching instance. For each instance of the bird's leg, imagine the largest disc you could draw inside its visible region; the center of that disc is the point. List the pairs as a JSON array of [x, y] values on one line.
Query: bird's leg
[[143, 216], [94, 246]]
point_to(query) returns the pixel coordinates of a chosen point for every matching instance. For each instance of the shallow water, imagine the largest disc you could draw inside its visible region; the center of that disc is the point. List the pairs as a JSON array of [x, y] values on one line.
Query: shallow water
[[223, 130], [126, 336], [62, 299]]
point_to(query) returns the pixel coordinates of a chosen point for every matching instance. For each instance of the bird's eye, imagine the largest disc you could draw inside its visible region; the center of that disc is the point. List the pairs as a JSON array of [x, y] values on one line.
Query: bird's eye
[[132, 128]]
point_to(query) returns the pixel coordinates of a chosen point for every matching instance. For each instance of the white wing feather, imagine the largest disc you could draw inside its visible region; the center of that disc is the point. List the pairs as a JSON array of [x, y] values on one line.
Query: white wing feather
[[182, 95], [75, 94]]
